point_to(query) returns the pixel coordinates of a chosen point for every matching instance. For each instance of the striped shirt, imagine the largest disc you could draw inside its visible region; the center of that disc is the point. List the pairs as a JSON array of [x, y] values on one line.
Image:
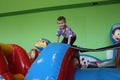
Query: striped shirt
[[67, 33]]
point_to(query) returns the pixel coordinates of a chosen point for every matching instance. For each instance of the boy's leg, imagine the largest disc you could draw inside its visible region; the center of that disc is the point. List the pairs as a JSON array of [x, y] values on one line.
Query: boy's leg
[[65, 40], [73, 39]]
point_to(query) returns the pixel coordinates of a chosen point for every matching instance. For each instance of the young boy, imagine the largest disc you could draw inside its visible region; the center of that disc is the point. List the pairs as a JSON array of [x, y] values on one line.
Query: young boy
[[65, 31]]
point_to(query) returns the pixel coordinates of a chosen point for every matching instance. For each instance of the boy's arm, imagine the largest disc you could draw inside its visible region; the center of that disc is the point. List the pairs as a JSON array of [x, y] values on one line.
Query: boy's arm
[[69, 40], [57, 39]]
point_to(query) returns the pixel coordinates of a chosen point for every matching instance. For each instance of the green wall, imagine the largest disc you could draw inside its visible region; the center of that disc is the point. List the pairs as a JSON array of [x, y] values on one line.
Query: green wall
[[15, 5], [91, 24]]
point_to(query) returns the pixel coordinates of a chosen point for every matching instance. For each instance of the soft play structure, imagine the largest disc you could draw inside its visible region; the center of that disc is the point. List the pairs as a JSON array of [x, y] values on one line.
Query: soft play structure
[[14, 62], [61, 62], [57, 61]]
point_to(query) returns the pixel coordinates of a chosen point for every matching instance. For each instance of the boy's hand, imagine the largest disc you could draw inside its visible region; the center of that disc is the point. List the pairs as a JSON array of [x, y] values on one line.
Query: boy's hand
[[57, 39], [69, 40]]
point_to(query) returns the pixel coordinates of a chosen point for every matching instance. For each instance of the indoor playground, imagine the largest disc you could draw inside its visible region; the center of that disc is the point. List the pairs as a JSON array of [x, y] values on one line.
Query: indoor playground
[[28, 50]]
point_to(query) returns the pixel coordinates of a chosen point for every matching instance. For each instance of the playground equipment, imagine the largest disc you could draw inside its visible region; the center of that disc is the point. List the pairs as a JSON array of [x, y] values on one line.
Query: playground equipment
[[14, 62], [56, 62], [60, 62]]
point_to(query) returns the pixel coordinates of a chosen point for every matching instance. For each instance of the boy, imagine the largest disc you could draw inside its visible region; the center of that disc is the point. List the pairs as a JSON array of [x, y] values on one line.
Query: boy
[[65, 31]]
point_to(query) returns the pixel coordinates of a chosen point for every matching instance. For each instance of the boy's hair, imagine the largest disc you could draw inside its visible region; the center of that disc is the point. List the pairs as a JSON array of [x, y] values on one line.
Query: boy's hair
[[61, 18]]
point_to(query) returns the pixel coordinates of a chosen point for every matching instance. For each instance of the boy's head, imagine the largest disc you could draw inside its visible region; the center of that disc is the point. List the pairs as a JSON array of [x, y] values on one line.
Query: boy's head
[[61, 21]]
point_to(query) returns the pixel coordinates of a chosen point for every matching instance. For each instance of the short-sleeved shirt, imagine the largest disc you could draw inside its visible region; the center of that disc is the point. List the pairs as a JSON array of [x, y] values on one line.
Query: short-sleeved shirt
[[68, 32]]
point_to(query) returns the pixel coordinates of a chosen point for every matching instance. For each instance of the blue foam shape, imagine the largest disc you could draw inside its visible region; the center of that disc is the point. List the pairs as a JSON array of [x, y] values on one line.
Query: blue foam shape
[[47, 65], [97, 74]]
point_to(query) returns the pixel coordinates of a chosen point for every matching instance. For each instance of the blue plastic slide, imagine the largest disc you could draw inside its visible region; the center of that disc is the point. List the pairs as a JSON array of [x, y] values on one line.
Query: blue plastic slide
[[47, 65]]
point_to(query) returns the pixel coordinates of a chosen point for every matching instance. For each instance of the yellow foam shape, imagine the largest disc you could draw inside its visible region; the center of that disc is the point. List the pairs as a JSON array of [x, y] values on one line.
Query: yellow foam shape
[[6, 48], [19, 77]]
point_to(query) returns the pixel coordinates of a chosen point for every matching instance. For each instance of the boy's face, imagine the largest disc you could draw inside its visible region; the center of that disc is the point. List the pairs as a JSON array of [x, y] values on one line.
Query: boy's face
[[61, 23]]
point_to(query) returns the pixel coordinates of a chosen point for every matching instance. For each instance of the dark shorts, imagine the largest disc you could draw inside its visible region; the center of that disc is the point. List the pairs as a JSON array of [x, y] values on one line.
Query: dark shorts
[[65, 40]]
